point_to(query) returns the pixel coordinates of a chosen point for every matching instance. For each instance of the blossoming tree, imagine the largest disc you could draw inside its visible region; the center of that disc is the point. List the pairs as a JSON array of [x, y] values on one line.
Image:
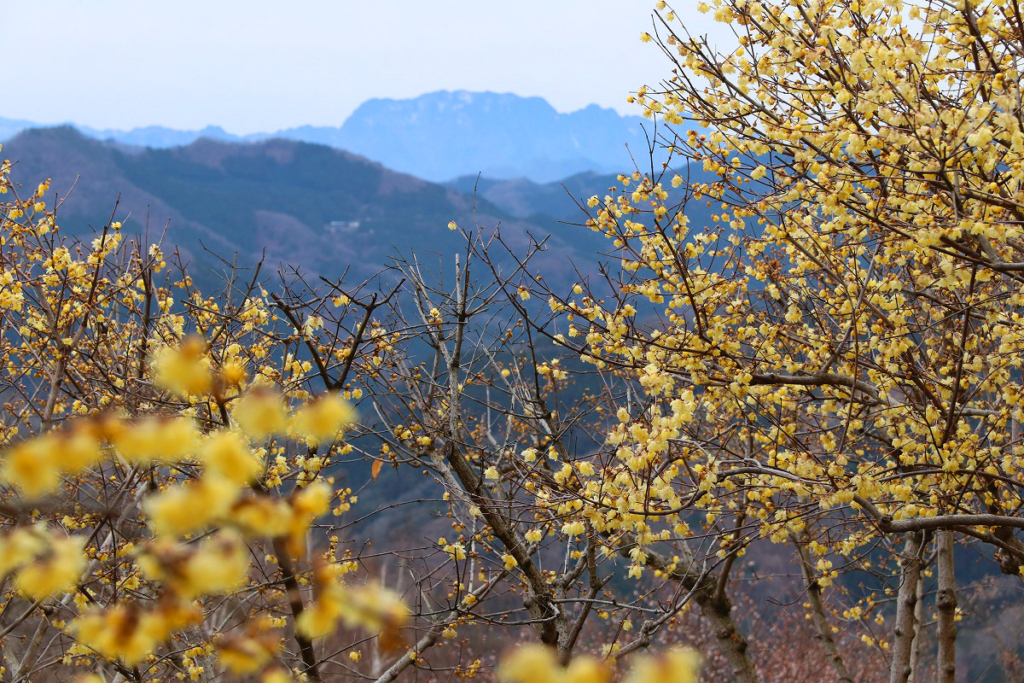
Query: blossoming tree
[[833, 359], [165, 462]]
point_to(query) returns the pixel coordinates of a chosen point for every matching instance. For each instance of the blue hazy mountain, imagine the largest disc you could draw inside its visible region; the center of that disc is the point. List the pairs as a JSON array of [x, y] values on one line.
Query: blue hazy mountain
[[443, 135], [159, 137], [11, 127], [155, 137]]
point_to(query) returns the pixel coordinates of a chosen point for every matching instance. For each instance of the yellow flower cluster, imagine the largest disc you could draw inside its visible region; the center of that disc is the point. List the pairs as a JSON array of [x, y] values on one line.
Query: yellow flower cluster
[[218, 564], [251, 651], [44, 563], [370, 606], [127, 632], [539, 664]]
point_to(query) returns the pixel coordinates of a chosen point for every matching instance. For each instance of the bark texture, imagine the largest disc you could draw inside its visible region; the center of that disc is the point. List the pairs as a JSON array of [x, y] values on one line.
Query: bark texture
[[945, 603], [906, 603], [715, 607]]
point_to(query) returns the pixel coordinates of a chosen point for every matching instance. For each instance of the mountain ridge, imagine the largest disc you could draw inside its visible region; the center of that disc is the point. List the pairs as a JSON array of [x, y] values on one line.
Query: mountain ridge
[[280, 201], [442, 135]]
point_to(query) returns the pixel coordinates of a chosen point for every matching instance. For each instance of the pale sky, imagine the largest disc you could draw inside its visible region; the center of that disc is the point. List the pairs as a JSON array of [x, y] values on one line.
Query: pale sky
[[260, 65]]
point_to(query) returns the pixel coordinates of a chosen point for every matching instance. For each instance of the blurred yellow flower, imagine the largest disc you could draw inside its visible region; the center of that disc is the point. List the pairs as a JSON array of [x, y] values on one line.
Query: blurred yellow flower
[[55, 571], [184, 370], [190, 507], [322, 419], [227, 454]]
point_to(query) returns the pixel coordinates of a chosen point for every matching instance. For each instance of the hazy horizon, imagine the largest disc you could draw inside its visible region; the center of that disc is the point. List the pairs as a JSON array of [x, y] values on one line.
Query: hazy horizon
[[630, 111], [257, 66]]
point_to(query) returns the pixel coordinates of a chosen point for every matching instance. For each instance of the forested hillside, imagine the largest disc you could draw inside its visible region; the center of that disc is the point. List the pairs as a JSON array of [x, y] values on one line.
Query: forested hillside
[[309, 206]]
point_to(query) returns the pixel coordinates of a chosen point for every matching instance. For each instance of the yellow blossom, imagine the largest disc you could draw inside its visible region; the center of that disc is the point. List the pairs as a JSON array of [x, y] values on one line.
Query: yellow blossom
[[226, 454], [322, 419], [260, 414], [32, 467], [673, 666], [55, 571], [184, 370], [187, 508]]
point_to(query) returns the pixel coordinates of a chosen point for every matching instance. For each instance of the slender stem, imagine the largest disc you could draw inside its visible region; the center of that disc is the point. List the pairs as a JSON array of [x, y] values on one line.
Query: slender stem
[[291, 584]]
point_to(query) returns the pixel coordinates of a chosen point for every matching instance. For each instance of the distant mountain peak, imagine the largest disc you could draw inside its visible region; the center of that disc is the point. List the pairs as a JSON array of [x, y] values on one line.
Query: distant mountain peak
[[445, 134]]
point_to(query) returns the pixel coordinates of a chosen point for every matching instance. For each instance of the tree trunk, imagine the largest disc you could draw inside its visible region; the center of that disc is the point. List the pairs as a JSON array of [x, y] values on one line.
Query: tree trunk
[[818, 612], [915, 655], [905, 606], [717, 609], [945, 602]]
